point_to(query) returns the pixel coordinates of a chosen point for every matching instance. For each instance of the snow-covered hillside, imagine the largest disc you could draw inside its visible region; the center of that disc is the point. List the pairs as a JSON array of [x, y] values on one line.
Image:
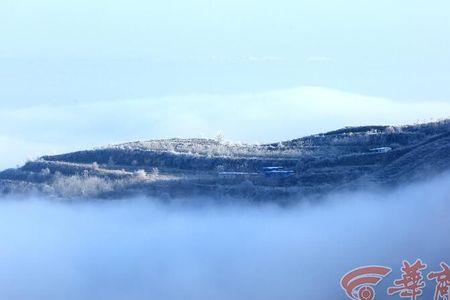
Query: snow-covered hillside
[[349, 158]]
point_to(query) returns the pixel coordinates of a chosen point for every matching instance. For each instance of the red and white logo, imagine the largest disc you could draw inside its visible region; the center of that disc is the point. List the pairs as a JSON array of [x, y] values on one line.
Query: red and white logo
[[358, 284]]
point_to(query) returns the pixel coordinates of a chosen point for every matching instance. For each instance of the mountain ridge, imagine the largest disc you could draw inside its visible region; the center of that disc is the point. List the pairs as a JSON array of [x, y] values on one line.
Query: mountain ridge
[[345, 159]]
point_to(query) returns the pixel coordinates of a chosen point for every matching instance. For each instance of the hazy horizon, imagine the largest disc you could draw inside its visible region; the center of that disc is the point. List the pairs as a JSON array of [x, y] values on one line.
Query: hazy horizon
[[272, 116]]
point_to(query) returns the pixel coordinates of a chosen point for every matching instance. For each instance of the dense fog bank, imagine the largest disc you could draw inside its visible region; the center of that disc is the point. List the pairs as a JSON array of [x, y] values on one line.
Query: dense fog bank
[[136, 249]]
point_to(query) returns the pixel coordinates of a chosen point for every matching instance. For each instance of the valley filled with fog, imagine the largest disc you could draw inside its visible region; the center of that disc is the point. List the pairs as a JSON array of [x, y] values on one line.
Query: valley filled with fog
[[143, 248]]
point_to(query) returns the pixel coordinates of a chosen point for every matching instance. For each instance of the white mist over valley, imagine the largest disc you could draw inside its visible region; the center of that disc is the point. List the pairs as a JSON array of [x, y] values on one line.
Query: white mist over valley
[[197, 249]]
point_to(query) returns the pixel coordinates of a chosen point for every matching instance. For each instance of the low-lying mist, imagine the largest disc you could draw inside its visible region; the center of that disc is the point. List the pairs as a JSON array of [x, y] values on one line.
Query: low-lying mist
[[142, 249]]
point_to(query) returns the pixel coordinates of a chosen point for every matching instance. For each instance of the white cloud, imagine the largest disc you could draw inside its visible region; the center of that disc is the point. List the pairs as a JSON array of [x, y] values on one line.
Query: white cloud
[[251, 117], [139, 250]]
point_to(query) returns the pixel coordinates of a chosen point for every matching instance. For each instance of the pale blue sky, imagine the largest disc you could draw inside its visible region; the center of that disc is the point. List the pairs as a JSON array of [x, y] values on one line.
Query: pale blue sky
[[70, 51]]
